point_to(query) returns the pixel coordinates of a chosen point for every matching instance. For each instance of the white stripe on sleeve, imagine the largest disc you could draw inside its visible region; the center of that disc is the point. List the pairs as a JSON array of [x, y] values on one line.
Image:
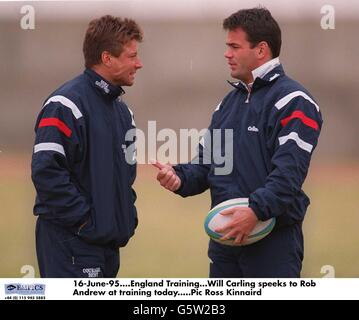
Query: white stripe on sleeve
[[49, 146], [285, 100], [218, 106], [132, 117], [294, 136], [67, 103]]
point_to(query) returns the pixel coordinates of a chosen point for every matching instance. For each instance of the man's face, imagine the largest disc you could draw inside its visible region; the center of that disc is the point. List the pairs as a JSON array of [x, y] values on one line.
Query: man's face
[[124, 67], [242, 59]]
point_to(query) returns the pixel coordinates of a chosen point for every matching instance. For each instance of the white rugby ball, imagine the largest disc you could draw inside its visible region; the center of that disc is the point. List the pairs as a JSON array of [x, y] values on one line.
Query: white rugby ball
[[215, 220]]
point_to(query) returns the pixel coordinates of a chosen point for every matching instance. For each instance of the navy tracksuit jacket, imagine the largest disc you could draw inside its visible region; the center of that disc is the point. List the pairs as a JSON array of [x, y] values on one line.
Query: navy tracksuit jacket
[[275, 130], [82, 178]]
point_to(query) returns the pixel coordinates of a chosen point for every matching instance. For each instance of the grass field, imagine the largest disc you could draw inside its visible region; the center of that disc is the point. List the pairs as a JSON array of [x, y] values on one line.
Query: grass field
[[170, 241]]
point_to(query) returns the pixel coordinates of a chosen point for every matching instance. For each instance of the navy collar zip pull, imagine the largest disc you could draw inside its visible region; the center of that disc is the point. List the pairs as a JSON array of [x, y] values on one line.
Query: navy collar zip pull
[[105, 87]]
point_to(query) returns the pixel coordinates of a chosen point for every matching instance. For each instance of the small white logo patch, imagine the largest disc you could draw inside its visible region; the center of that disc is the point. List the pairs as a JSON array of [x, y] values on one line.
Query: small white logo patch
[[103, 85], [92, 272], [253, 128]]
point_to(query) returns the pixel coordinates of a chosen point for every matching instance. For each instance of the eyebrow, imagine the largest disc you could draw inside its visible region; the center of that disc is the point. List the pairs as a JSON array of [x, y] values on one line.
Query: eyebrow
[[232, 44]]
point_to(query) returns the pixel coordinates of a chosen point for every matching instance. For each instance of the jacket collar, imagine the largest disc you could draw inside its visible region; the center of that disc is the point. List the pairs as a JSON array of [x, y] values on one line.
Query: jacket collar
[[105, 87], [265, 68], [263, 75]]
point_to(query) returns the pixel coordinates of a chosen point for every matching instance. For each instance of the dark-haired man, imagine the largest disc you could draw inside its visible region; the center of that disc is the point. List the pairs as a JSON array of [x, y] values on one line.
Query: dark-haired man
[[83, 178], [276, 125]]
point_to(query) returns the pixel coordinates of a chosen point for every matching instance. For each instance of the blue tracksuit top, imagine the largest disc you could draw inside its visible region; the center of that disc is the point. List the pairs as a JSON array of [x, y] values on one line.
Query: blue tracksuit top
[[275, 130], [78, 166]]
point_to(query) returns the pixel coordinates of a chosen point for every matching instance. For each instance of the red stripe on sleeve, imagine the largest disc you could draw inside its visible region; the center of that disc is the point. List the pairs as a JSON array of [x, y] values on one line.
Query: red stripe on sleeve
[[54, 122], [300, 115]]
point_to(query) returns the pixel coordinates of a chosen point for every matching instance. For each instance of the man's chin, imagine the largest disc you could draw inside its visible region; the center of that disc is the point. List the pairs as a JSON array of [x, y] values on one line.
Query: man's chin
[[235, 75], [126, 84]]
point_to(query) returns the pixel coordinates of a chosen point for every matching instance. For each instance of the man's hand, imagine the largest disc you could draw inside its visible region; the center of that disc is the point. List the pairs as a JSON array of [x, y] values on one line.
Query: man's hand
[[167, 176], [242, 223]]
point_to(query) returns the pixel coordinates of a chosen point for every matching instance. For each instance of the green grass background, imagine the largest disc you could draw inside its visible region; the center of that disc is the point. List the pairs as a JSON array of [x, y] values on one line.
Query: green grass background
[[170, 240]]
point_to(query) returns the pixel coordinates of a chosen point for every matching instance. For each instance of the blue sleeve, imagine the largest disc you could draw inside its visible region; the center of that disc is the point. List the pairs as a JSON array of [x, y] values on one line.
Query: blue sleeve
[[57, 149], [194, 175], [293, 132]]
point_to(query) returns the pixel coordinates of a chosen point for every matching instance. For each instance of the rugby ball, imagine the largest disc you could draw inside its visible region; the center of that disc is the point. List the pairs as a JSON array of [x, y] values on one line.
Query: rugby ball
[[215, 220]]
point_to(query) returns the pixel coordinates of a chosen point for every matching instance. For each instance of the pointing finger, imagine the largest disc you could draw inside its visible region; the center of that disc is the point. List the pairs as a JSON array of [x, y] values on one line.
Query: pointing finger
[[157, 164]]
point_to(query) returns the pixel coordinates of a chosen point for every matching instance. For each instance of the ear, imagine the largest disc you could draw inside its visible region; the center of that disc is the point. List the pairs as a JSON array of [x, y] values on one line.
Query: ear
[[106, 58], [263, 50]]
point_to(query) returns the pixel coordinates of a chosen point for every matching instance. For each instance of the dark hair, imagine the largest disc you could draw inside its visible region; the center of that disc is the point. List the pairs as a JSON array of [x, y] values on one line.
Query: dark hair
[[108, 33], [259, 25]]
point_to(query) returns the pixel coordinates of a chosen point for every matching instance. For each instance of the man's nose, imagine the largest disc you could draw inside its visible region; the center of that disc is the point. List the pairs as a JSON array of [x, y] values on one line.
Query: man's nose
[[139, 64], [228, 54]]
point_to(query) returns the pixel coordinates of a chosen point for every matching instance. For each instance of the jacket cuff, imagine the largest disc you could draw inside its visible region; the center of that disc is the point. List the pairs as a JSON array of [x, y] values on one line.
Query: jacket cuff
[[180, 190], [257, 211]]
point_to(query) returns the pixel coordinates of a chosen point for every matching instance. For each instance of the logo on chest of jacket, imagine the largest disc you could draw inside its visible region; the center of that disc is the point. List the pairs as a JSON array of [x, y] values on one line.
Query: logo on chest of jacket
[[253, 129]]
